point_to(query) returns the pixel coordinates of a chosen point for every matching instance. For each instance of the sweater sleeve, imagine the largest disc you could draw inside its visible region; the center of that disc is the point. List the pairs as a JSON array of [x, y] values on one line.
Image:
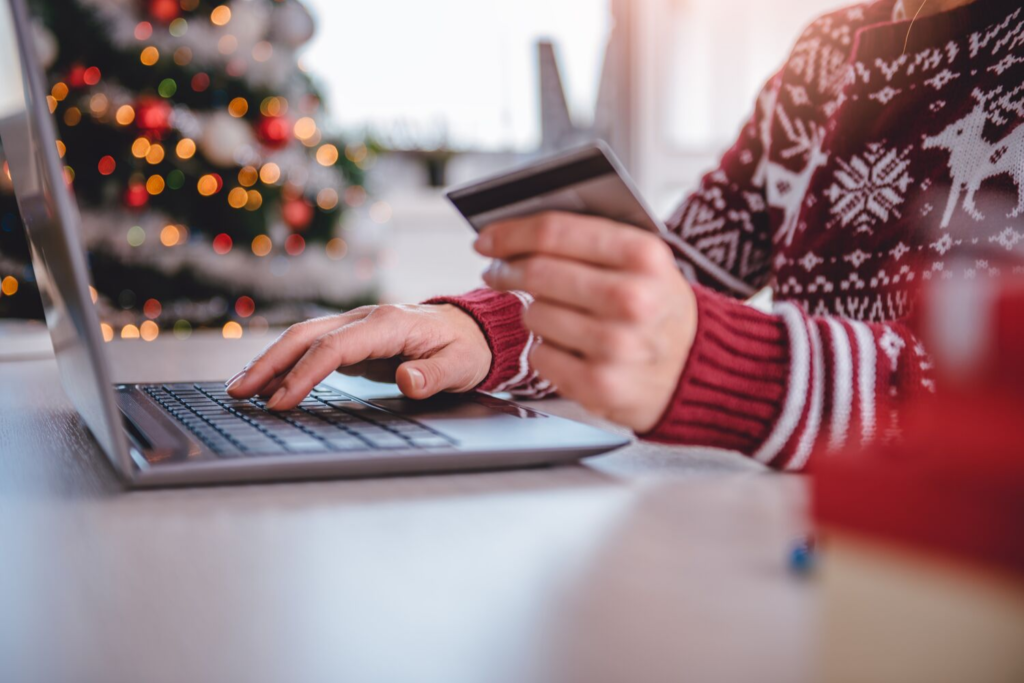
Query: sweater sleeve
[[721, 233], [500, 316], [779, 387]]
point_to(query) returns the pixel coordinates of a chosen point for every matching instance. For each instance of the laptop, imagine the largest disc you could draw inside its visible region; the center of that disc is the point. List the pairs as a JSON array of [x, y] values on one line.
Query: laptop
[[182, 433]]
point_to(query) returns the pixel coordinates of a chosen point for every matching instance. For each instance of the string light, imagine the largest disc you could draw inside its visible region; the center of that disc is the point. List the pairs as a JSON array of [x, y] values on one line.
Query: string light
[[186, 148], [140, 148], [136, 236], [182, 329], [183, 56], [170, 235], [51, 102], [91, 76], [304, 128], [129, 332], [143, 30], [220, 15], [107, 165], [356, 153], [61, 151], [93, 294], [107, 331], [207, 185], [245, 306], [336, 249], [167, 88], [262, 51], [222, 243], [238, 107], [155, 154], [261, 245], [9, 285], [200, 82], [155, 184], [232, 330], [227, 44], [274, 106], [238, 198], [59, 91], [248, 176], [152, 309], [176, 179], [355, 196], [294, 244], [98, 104], [73, 116], [178, 27], [255, 200], [69, 175], [125, 114], [149, 330], [327, 199], [149, 56], [270, 173], [327, 155]]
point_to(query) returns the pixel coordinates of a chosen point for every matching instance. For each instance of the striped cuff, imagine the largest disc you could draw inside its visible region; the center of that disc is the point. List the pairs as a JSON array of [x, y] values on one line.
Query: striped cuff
[[499, 315], [732, 391]]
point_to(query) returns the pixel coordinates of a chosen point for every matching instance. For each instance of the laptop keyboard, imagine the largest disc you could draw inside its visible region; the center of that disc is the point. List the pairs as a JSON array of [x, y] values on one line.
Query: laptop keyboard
[[327, 421]]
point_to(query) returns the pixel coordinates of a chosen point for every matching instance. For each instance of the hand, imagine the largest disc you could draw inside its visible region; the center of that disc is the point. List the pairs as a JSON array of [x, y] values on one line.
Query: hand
[[616, 316], [425, 349]]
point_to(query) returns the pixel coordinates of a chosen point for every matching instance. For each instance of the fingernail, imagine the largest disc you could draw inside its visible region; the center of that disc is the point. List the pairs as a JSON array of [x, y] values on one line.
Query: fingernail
[[417, 378], [276, 398], [483, 243], [234, 380]]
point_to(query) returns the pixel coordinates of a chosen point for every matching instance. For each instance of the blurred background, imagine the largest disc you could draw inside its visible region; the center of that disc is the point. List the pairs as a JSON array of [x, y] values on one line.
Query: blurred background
[[248, 164]]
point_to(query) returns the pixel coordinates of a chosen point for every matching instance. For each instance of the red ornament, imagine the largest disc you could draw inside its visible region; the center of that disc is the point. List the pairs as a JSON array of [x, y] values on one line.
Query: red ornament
[[136, 197], [297, 213], [76, 76], [164, 11], [274, 131], [152, 116]]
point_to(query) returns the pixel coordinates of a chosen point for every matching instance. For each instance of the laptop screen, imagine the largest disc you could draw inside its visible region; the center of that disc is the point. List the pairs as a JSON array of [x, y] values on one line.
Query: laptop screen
[[51, 218]]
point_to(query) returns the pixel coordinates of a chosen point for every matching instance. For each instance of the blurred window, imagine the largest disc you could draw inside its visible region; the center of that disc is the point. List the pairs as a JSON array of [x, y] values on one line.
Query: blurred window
[[460, 73]]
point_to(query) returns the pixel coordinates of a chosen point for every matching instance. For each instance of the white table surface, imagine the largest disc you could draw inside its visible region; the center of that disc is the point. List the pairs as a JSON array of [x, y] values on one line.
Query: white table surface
[[649, 564]]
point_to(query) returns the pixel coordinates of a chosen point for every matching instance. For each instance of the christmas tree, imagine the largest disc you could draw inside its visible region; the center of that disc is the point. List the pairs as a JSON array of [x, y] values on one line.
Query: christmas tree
[[193, 140]]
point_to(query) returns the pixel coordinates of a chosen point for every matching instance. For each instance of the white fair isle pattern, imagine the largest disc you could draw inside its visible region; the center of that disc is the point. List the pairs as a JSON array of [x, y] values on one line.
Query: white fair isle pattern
[[524, 357], [810, 435], [866, 367], [870, 187], [842, 385], [799, 380]]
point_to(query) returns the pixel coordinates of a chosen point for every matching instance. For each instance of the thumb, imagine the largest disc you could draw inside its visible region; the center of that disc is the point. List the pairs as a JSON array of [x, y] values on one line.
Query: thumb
[[425, 377]]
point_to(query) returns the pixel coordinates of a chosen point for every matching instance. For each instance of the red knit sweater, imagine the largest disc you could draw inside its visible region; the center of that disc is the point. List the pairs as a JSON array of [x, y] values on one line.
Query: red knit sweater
[[863, 173]]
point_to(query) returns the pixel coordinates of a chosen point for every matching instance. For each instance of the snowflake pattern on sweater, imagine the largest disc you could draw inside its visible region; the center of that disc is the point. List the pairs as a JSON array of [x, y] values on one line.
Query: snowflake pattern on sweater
[[865, 171]]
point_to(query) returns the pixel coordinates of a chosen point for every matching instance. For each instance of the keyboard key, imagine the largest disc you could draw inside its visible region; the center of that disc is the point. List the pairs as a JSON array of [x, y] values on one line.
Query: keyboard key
[[429, 441], [310, 446]]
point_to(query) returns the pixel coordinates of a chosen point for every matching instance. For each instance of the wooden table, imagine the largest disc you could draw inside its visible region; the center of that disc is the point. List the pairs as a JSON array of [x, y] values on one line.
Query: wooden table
[[649, 564]]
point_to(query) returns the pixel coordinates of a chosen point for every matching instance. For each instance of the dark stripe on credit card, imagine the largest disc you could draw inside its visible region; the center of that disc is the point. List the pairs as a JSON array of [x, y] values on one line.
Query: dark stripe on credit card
[[477, 202]]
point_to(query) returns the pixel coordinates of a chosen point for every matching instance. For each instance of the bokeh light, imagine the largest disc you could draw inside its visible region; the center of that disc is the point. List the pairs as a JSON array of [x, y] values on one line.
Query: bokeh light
[[155, 154], [170, 235], [107, 165], [9, 285], [327, 155], [232, 330], [336, 249], [248, 176], [125, 114], [261, 245], [238, 198], [107, 331], [129, 332], [59, 91], [304, 128], [149, 330], [152, 309], [140, 148], [245, 306], [73, 116], [143, 30], [207, 185], [294, 244], [136, 236], [149, 56], [155, 184], [270, 173], [182, 329], [222, 243], [255, 200], [238, 107], [220, 15], [186, 148], [327, 199], [91, 76]]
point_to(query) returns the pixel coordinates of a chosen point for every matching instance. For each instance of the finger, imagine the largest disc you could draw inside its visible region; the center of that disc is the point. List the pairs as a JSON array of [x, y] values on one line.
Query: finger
[[282, 354], [604, 293], [373, 370], [375, 336], [560, 367], [601, 340], [444, 371], [598, 241]]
